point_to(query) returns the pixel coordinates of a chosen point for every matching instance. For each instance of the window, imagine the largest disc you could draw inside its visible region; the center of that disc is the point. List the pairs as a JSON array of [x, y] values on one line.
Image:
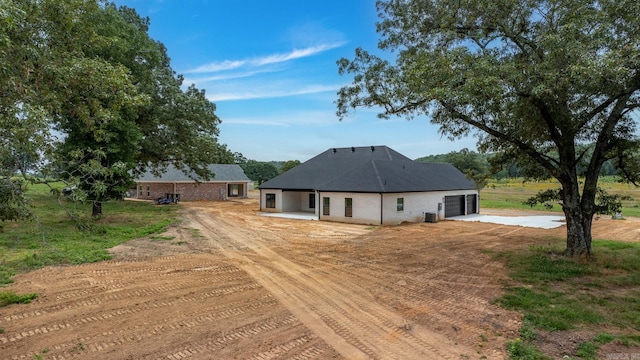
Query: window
[[325, 206], [271, 201], [348, 207], [312, 201], [400, 204], [148, 190]]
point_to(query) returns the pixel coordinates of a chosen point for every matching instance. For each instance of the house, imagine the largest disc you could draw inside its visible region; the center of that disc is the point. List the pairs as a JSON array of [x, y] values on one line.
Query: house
[[229, 181], [370, 185]]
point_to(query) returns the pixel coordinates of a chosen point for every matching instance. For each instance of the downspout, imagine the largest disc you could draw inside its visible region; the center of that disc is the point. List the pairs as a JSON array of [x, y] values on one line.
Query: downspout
[[318, 204], [381, 209]]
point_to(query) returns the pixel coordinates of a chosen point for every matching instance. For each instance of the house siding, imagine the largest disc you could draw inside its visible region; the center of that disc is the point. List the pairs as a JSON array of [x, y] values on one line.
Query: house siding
[[366, 207], [187, 191], [263, 200], [416, 205]]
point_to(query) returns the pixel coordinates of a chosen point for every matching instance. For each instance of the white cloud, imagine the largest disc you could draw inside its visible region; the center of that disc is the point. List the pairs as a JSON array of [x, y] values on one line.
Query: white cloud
[[296, 118], [238, 75], [295, 54], [264, 60], [217, 66], [270, 93]]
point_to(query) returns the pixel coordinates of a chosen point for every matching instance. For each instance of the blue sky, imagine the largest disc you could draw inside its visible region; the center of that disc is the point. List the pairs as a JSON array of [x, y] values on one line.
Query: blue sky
[[270, 68]]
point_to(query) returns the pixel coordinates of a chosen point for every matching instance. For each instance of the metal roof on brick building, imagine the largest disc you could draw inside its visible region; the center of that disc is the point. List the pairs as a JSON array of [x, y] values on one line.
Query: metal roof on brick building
[[222, 172]]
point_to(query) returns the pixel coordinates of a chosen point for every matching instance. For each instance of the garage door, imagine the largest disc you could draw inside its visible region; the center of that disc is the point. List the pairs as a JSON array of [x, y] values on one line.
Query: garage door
[[453, 206], [472, 204]]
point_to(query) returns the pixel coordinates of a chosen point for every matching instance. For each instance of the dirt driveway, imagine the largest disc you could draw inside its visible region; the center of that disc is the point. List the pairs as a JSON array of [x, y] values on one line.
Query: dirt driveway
[[228, 284]]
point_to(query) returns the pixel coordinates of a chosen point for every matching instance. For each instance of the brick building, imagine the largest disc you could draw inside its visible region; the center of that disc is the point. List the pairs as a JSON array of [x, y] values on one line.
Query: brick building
[[229, 181]]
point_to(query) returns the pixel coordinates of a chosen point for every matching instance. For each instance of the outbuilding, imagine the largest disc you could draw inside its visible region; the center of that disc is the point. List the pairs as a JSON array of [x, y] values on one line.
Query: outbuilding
[[229, 181], [371, 185]]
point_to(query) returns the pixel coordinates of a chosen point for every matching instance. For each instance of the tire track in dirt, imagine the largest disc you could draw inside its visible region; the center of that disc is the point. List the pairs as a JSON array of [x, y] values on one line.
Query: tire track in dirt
[[344, 315], [227, 275]]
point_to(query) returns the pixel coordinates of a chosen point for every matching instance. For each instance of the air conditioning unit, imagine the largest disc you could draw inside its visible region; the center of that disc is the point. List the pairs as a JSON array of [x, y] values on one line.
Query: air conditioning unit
[[430, 217]]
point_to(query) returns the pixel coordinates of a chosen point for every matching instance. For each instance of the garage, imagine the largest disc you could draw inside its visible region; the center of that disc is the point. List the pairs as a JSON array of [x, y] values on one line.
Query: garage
[[454, 205]]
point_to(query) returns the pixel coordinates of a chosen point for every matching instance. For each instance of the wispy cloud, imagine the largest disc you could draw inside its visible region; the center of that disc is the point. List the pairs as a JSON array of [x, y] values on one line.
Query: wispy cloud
[[228, 76], [295, 54], [270, 93], [286, 119], [217, 66], [264, 60]]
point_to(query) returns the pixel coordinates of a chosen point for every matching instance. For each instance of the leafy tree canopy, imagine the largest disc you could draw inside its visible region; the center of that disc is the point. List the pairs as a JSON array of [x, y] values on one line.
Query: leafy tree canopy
[[471, 163], [259, 171], [288, 165], [532, 79], [87, 97]]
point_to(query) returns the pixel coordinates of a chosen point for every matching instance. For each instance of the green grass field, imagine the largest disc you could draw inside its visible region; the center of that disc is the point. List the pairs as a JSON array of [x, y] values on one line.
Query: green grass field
[[559, 294], [54, 239], [511, 193]]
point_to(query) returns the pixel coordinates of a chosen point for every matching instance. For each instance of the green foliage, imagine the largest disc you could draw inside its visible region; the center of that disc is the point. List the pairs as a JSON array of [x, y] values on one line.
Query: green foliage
[[587, 350], [472, 164], [9, 297], [90, 71], [259, 171], [527, 331], [520, 350], [13, 204], [545, 198], [604, 338], [288, 165]]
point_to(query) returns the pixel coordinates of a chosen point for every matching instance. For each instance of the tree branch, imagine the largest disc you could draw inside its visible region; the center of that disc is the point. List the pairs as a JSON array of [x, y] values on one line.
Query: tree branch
[[545, 161]]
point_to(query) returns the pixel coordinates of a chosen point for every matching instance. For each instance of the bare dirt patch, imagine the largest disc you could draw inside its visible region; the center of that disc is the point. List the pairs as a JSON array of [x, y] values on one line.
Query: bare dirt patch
[[228, 284]]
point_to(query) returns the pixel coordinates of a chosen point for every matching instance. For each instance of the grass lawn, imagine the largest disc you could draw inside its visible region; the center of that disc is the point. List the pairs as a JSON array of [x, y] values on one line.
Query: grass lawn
[[511, 193], [54, 239], [557, 294]]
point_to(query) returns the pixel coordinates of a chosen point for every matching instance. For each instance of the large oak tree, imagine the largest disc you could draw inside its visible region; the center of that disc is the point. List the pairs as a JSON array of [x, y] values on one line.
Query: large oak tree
[[534, 79]]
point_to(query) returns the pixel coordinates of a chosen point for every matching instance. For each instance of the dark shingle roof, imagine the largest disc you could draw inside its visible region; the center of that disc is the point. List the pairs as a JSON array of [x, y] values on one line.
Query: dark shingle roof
[[369, 169], [222, 172]]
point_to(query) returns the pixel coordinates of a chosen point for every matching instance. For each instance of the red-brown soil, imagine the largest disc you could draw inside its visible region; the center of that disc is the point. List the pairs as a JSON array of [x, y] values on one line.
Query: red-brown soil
[[231, 284]]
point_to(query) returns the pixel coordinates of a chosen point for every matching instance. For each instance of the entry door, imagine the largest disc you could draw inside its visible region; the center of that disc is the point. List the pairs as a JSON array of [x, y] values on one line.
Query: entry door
[[312, 201]]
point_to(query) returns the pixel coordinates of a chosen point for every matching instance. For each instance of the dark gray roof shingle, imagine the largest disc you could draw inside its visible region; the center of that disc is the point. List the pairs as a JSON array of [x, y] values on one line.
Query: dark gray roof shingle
[[222, 172], [369, 169]]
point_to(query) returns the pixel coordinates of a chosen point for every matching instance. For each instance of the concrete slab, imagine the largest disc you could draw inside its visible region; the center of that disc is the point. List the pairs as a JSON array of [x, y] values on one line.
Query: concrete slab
[[291, 215], [534, 221]]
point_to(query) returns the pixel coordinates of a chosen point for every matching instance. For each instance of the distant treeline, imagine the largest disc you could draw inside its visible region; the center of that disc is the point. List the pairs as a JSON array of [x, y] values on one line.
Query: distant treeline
[[466, 160]]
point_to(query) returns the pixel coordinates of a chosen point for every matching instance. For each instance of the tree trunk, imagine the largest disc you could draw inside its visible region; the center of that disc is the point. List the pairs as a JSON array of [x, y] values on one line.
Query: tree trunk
[[579, 219], [578, 233], [97, 209]]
